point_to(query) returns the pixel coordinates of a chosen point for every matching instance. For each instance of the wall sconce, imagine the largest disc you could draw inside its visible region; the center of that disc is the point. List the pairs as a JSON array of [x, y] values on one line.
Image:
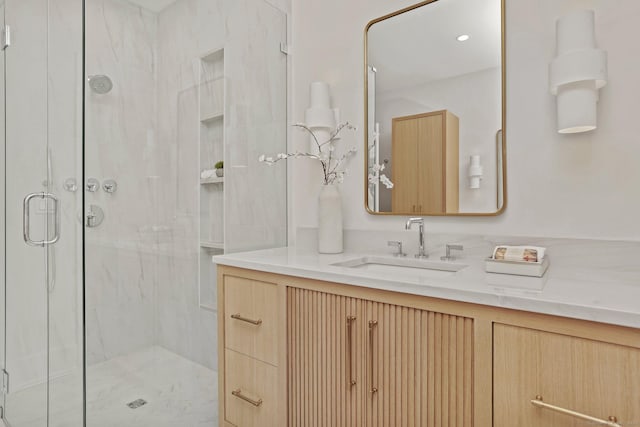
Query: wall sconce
[[475, 172], [320, 117], [576, 74]]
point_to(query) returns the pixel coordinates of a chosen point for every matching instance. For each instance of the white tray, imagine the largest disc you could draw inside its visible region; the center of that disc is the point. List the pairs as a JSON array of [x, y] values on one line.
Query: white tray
[[518, 268]]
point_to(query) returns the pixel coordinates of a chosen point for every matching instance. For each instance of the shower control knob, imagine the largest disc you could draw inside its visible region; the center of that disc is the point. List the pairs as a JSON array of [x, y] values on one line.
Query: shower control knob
[[92, 185], [71, 185], [110, 186]]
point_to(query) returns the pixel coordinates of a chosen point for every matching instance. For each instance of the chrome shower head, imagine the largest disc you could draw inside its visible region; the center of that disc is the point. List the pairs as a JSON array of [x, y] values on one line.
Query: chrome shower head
[[100, 84]]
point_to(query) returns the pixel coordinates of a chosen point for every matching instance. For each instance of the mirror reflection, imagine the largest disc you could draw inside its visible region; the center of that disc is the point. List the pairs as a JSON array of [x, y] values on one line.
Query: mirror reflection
[[435, 110]]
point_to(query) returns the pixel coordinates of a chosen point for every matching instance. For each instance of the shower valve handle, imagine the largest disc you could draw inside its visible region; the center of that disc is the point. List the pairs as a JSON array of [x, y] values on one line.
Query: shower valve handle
[[94, 217]]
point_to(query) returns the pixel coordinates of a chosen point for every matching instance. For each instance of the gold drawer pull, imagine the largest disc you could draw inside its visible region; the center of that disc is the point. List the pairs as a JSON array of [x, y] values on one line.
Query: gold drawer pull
[[244, 319], [372, 325], [611, 422], [350, 320], [238, 393]]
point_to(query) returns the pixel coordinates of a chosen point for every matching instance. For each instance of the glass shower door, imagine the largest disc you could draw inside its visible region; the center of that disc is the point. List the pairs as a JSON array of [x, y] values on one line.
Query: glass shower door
[[26, 308], [42, 213]]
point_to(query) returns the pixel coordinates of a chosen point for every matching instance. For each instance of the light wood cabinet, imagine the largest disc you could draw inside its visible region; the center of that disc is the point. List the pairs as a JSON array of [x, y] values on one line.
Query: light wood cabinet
[[591, 377], [251, 393], [251, 336], [325, 342], [251, 326], [322, 348], [354, 362], [425, 163]]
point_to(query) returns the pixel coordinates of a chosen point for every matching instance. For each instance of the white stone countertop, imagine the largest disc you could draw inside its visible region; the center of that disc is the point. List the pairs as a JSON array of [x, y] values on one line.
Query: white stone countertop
[[589, 280]]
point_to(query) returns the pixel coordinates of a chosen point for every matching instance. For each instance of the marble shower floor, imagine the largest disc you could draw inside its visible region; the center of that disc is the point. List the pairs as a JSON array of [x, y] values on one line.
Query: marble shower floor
[[178, 392]]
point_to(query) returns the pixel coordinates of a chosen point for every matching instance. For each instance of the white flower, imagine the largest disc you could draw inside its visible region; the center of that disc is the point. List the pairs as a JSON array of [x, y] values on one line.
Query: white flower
[[332, 164], [375, 176], [386, 181]]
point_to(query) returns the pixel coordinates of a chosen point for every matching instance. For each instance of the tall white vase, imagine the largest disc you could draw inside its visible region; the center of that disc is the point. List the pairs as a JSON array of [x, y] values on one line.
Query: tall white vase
[[330, 220]]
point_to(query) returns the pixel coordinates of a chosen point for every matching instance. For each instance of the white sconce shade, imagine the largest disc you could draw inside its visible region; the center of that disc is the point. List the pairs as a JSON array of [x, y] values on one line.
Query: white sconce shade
[[576, 74], [320, 117], [475, 172]]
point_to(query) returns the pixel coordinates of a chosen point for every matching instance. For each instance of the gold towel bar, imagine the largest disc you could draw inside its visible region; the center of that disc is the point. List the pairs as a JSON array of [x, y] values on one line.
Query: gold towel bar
[[611, 422]]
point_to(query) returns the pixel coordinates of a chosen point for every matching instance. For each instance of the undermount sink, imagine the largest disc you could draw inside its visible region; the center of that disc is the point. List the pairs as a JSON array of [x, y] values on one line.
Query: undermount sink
[[404, 266]]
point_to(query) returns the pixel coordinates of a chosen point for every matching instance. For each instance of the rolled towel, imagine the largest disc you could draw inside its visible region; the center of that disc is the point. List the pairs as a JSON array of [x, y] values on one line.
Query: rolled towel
[[519, 253], [208, 173]]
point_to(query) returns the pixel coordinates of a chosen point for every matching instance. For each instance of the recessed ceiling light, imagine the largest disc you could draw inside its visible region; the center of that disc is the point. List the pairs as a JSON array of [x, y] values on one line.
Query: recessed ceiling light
[[463, 37]]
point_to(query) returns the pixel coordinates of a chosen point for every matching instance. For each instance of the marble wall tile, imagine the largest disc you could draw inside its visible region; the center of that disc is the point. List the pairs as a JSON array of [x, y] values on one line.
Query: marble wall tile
[[254, 123], [121, 144], [144, 261], [121, 124]]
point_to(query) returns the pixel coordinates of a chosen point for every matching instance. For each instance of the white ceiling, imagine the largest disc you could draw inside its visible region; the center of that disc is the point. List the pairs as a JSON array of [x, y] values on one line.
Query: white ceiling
[[153, 5], [420, 46]]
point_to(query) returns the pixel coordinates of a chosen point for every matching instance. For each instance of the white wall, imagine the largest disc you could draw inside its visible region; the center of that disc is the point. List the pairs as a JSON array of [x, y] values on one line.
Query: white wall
[[558, 185]]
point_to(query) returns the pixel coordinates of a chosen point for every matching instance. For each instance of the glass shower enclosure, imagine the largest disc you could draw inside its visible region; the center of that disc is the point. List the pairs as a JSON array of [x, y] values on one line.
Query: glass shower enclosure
[[43, 245], [113, 116]]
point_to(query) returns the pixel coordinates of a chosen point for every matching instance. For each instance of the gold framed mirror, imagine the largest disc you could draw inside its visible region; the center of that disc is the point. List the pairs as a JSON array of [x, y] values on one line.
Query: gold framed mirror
[[435, 110]]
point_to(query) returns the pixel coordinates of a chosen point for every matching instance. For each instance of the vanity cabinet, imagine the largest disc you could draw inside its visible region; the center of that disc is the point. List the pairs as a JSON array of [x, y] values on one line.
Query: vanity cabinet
[[425, 163], [309, 353], [594, 378]]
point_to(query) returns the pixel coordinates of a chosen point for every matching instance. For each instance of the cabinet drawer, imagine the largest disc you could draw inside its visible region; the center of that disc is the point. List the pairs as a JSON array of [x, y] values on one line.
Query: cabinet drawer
[[251, 313], [590, 377], [250, 391]]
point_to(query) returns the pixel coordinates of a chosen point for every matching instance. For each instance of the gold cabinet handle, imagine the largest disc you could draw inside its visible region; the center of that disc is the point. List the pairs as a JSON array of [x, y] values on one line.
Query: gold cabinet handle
[[611, 422], [372, 325], [350, 320], [244, 319], [238, 393]]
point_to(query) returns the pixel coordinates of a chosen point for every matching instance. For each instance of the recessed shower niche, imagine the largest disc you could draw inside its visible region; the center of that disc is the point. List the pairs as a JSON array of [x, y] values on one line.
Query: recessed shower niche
[[211, 94]]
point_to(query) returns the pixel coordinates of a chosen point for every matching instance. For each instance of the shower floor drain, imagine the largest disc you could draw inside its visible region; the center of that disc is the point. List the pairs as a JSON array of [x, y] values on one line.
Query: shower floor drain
[[137, 403]]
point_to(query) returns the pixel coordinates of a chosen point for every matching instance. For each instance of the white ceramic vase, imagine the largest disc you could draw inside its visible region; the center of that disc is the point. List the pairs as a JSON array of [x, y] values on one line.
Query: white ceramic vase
[[330, 220]]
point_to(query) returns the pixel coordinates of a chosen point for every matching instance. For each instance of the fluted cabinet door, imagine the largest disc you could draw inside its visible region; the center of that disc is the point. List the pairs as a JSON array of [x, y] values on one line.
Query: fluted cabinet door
[[325, 340], [354, 362], [420, 368]]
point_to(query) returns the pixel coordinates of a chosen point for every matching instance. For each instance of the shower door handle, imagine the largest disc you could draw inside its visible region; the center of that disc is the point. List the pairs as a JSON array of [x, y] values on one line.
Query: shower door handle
[[26, 216]]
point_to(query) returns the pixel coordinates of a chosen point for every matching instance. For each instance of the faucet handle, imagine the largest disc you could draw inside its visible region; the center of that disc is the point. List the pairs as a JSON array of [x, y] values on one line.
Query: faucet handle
[[449, 248], [398, 245]]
